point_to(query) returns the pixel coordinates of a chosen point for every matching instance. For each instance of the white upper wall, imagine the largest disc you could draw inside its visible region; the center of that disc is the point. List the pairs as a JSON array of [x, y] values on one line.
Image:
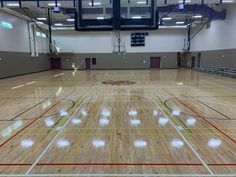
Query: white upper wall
[[102, 42], [17, 39], [221, 34]]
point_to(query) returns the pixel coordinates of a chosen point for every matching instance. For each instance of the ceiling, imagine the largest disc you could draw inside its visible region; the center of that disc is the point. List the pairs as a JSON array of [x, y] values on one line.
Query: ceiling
[[103, 9]]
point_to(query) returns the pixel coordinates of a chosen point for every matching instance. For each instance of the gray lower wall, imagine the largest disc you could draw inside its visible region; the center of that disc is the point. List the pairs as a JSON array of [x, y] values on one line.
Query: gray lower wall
[[218, 58], [115, 61], [17, 63]]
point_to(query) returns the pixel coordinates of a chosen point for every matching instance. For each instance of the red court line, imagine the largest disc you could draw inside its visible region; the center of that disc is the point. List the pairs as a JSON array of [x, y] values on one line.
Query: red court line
[[195, 112], [15, 164], [28, 109], [28, 124], [117, 164], [168, 92], [222, 164]]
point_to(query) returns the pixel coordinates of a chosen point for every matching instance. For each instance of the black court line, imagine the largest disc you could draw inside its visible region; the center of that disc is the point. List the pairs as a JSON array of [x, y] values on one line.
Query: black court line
[[184, 124], [186, 114], [214, 96], [73, 104], [178, 117], [13, 119], [27, 110], [50, 129], [213, 109]]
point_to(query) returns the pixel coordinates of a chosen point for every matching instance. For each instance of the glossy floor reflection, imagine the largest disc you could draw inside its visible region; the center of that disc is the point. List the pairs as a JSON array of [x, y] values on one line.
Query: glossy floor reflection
[[159, 122]]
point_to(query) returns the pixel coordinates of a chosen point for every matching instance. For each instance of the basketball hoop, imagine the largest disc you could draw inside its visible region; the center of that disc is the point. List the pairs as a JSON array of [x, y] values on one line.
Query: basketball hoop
[[118, 47]]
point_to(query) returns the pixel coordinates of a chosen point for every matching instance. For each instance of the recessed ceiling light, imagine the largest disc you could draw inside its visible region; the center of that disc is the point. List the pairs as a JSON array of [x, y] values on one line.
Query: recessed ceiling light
[[103, 121], [100, 18], [180, 23], [42, 18], [177, 143], [13, 4], [173, 27], [163, 121], [95, 3], [135, 122], [63, 143], [136, 17], [99, 143], [191, 121], [58, 24], [227, 1], [53, 4], [142, 2], [49, 122], [197, 16], [214, 143], [186, 1], [84, 113], [166, 18], [26, 143], [140, 143], [70, 19], [39, 23], [76, 121], [62, 113], [133, 112], [155, 113]]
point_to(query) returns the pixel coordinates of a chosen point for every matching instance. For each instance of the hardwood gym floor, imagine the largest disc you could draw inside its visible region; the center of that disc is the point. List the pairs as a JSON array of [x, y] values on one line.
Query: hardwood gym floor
[[139, 122]]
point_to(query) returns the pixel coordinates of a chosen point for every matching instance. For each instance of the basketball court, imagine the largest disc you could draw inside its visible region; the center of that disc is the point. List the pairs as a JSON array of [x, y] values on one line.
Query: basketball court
[[66, 110]]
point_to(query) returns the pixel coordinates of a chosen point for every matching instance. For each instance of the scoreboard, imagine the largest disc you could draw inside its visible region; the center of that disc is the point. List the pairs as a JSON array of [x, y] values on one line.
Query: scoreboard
[[138, 39]]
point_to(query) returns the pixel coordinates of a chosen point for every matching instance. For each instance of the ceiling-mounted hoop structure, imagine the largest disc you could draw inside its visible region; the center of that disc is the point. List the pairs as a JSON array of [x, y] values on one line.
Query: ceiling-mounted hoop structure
[[116, 22], [118, 47]]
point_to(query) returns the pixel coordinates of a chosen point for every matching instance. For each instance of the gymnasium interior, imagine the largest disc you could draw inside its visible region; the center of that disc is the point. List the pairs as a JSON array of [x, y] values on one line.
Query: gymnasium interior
[[118, 88]]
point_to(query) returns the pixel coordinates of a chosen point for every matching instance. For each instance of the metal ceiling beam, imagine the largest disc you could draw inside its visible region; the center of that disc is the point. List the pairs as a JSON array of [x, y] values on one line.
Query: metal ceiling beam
[[12, 12], [116, 14], [189, 38], [202, 9], [49, 28]]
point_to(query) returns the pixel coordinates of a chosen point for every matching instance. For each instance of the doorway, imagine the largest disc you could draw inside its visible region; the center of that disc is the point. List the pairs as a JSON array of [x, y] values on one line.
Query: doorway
[[87, 63], [56, 63], [155, 62], [193, 62], [178, 60], [199, 55]]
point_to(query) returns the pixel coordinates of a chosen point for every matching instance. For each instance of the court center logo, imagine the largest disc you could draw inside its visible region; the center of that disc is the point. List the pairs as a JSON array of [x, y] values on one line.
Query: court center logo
[[119, 82]]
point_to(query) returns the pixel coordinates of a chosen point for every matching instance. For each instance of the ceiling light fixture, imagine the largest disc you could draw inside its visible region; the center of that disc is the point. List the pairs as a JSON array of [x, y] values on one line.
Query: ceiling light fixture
[[58, 24], [95, 4], [100, 18], [197, 16], [142, 2], [39, 23], [227, 1], [136, 17], [180, 23], [173, 27], [166, 18], [70, 20], [13, 4], [186, 1], [53, 4], [42, 18]]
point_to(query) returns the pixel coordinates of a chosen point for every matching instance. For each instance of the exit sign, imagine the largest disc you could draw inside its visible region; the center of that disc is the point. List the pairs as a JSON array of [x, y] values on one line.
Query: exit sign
[[7, 25]]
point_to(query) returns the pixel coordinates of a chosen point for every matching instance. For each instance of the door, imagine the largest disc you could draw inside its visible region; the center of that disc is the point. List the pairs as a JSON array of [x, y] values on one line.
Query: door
[[87, 63], [178, 60], [55, 63], [193, 62], [155, 62], [199, 59]]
